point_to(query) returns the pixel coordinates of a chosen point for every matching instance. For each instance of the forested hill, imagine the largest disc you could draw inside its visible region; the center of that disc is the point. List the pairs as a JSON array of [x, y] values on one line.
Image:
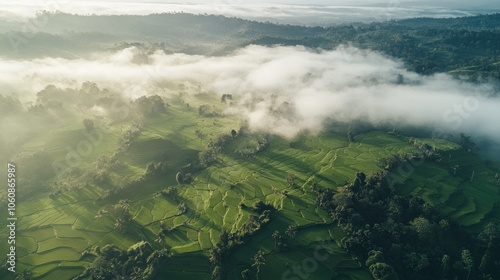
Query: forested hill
[[483, 22], [464, 46]]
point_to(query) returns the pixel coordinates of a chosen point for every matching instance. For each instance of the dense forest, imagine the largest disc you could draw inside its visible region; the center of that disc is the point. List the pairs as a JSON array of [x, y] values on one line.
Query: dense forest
[[405, 236], [463, 46]]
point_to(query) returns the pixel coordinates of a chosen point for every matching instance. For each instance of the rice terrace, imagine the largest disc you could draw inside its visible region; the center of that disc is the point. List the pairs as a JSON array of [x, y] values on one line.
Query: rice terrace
[[237, 148]]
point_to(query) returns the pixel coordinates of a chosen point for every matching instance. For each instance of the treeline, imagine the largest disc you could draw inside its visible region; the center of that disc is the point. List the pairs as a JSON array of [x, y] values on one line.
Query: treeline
[[403, 237], [139, 261], [425, 51], [427, 46]]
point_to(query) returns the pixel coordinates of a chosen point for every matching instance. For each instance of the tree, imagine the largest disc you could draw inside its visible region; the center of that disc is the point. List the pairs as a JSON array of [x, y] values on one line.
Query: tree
[[467, 261], [226, 97], [466, 143], [291, 232], [178, 178], [246, 274], [445, 263], [486, 262], [88, 124], [314, 187], [216, 272], [350, 136], [424, 228], [374, 256], [258, 261], [359, 181], [490, 236], [182, 208], [123, 216], [150, 106], [383, 271], [259, 207], [417, 261]]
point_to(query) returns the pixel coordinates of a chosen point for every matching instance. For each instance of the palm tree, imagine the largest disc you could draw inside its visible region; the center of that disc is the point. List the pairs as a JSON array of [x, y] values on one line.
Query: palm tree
[[291, 232], [276, 236], [258, 261], [445, 262], [246, 274], [467, 260]]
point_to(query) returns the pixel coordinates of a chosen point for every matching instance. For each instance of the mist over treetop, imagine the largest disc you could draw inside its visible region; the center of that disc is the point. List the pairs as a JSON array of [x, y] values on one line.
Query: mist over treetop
[[284, 90]]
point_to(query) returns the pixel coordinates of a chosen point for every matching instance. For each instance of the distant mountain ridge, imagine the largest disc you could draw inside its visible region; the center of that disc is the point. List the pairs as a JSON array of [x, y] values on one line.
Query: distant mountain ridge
[[426, 45]]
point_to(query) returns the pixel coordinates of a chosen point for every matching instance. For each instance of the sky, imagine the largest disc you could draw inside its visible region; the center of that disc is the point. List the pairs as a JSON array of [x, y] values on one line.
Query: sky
[[314, 12]]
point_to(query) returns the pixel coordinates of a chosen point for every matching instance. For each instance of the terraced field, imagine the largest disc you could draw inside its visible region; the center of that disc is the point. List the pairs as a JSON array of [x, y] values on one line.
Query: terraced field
[[469, 199], [54, 232]]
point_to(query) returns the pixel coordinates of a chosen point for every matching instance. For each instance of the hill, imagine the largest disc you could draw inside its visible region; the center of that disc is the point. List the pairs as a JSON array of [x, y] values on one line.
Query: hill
[[178, 179], [463, 46]]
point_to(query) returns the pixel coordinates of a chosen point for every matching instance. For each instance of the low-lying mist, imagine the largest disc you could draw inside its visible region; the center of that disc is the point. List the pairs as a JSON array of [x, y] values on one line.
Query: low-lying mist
[[282, 90]]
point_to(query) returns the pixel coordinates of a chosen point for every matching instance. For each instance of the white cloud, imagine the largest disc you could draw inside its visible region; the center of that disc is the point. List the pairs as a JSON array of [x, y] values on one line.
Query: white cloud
[[345, 85]]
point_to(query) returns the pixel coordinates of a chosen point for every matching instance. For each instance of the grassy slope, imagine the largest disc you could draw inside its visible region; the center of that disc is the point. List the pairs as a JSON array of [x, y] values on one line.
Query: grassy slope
[[52, 233]]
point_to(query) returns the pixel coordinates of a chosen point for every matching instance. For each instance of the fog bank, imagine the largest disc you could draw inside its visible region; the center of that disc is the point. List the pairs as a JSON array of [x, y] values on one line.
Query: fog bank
[[283, 90]]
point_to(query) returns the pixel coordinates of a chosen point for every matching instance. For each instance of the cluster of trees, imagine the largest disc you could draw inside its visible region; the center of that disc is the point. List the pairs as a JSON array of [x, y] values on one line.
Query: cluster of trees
[[402, 236], [225, 97], [281, 241], [149, 106], [209, 111], [214, 148], [129, 135], [139, 262], [170, 192], [183, 178], [221, 141], [467, 143], [122, 186], [228, 241], [182, 208], [154, 169], [424, 152], [256, 146], [99, 170], [53, 102], [122, 214]]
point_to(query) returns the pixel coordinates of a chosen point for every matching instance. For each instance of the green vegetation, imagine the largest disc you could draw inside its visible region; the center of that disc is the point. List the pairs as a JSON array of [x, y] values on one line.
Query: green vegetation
[[403, 235], [463, 46], [178, 188], [181, 185]]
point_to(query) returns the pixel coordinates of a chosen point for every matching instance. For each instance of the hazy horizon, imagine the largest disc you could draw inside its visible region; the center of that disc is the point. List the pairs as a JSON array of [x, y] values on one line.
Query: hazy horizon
[[285, 11]]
